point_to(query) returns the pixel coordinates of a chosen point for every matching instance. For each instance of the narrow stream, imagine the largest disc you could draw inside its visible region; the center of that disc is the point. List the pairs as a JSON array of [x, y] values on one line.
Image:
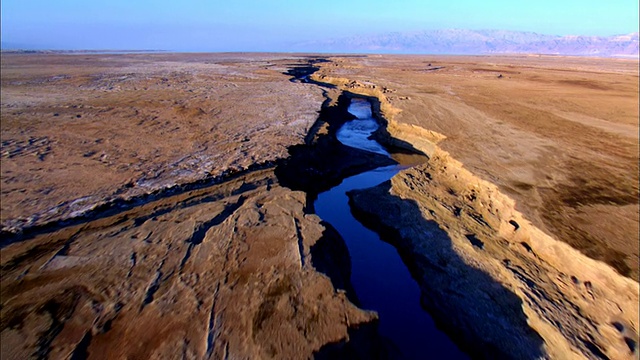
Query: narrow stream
[[381, 280]]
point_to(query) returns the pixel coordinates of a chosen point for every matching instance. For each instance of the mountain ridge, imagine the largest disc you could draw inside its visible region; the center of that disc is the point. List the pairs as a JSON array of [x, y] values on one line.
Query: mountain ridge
[[479, 42]]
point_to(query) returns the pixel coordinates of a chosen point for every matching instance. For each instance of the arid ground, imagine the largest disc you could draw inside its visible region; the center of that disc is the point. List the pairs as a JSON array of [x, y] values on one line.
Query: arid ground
[[145, 213], [558, 135]]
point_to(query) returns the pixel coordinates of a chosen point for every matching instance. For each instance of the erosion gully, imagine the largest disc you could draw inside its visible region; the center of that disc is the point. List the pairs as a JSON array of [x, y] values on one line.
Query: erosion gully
[[379, 278], [372, 273]]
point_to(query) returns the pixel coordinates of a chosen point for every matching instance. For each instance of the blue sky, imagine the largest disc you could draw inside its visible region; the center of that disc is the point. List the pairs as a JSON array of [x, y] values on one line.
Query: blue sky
[[239, 25]]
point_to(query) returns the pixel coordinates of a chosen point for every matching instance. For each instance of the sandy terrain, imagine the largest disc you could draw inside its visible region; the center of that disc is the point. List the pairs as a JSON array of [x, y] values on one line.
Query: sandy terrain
[[222, 258]]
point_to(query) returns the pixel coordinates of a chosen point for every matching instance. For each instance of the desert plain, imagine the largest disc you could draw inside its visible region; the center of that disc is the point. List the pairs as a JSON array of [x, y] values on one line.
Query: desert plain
[[158, 205]]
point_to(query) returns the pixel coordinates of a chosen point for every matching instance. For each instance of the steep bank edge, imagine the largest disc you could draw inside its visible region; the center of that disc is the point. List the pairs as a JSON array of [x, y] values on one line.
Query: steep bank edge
[[580, 306], [239, 247]]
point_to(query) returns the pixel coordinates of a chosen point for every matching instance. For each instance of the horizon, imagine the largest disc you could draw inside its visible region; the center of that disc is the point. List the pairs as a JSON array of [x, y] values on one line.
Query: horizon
[[7, 46], [248, 26]]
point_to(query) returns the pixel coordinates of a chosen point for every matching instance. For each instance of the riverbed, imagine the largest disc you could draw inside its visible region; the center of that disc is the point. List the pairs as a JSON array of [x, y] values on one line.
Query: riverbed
[[380, 279]]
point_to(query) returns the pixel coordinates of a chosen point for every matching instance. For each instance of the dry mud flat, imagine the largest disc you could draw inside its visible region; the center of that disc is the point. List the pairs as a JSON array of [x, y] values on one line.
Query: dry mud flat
[[215, 273], [230, 269], [178, 254], [79, 130]]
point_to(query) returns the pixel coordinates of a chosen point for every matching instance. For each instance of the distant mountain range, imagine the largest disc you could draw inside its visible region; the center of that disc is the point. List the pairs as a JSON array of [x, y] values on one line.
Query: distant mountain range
[[463, 42]]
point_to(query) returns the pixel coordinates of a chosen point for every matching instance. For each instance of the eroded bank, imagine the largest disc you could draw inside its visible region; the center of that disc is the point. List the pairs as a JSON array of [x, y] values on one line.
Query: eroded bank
[[480, 262], [233, 270]]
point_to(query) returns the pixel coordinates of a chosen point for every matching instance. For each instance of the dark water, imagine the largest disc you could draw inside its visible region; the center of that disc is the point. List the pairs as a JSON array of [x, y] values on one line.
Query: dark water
[[381, 280]]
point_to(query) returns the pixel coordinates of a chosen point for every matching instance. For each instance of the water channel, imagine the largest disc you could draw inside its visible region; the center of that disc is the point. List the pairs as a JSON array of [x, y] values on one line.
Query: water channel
[[380, 279]]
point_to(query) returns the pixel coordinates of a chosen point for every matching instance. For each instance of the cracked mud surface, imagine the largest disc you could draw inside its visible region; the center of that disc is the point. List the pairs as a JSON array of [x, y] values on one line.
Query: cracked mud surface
[[222, 271], [81, 130]]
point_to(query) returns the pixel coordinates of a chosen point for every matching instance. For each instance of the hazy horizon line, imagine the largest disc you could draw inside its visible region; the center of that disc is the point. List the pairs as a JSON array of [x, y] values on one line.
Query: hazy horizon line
[[7, 46]]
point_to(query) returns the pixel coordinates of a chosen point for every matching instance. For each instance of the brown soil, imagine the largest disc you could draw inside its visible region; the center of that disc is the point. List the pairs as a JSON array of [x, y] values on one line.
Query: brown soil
[[557, 134], [224, 271], [502, 287], [220, 272]]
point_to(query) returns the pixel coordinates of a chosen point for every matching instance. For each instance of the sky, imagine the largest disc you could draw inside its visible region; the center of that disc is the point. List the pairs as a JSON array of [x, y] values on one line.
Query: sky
[[241, 25]]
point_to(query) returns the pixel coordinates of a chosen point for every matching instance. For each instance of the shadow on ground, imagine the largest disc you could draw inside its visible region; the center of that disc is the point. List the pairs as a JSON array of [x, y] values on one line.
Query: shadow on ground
[[482, 316], [322, 162]]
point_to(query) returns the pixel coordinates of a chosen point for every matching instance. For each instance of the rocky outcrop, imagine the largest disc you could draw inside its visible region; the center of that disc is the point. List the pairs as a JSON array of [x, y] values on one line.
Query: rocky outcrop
[[221, 272]]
